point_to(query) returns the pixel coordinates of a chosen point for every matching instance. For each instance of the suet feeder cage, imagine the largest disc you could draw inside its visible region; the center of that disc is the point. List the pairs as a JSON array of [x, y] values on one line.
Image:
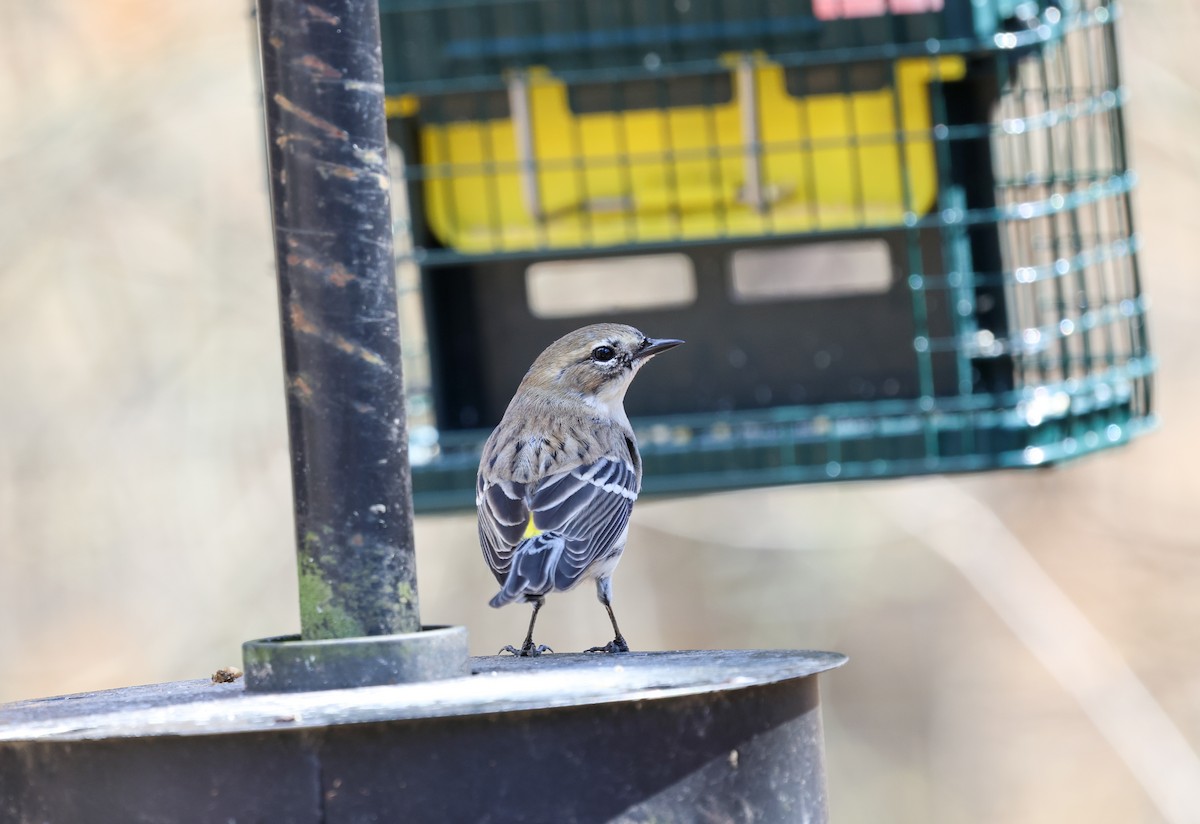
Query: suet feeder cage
[[897, 234]]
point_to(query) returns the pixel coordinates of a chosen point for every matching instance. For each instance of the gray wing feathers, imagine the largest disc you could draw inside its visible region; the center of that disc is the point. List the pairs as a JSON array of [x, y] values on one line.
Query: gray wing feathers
[[532, 568], [582, 513], [591, 517], [503, 516]]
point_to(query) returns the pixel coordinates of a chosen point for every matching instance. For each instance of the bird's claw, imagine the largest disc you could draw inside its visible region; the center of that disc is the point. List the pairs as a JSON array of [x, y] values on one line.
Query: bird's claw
[[615, 645], [526, 651]]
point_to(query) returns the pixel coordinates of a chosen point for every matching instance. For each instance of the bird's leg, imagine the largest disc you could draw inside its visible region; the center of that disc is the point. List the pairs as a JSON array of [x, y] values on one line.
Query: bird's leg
[[528, 648], [617, 644]]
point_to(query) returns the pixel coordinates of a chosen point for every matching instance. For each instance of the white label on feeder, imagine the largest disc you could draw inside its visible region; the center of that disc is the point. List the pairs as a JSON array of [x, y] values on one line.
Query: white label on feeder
[[812, 270], [567, 288]]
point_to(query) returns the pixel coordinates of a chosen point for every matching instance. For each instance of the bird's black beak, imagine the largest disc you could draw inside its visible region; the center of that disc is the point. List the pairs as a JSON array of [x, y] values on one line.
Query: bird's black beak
[[652, 346]]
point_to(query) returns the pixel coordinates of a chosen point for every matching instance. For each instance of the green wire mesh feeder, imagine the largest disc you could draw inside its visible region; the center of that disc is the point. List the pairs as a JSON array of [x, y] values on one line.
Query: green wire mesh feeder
[[897, 234]]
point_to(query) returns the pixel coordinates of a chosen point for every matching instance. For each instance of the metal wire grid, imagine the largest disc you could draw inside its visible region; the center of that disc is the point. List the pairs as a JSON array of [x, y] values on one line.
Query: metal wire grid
[[790, 124], [1067, 355]]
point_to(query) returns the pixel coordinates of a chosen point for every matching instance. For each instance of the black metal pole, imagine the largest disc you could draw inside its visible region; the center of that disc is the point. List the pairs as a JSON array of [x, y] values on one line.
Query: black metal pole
[[326, 136]]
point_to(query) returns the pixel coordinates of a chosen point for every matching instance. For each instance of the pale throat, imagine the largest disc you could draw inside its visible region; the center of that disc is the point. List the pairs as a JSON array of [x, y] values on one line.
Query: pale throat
[[610, 401]]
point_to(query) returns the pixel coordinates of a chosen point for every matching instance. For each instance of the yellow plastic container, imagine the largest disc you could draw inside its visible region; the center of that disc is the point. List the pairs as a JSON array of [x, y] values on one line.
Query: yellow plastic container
[[824, 162]]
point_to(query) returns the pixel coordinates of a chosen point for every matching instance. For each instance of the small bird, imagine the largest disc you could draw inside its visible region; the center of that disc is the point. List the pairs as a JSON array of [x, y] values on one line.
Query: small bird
[[559, 475]]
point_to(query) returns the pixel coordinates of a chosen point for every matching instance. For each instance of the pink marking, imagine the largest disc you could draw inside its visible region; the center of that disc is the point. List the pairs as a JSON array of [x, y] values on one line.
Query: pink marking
[[842, 9]]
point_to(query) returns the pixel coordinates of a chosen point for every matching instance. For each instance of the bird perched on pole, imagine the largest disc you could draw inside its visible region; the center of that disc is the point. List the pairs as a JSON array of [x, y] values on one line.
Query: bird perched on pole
[[559, 475]]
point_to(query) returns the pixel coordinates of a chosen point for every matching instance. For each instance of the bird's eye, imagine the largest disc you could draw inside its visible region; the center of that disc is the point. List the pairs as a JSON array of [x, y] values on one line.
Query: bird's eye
[[603, 353]]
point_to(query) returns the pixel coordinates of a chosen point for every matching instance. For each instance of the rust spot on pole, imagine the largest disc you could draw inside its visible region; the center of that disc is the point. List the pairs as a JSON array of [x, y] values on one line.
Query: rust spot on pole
[[371, 357], [319, 14], [284, 140], [300, 321], [319, 67], [339, 170], [301, 388], [338, 275], [301, 257], [309, 118]]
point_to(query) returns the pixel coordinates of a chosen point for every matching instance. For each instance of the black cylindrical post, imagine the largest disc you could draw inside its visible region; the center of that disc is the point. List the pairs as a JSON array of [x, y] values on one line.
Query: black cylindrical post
[[326, 137], [327, 152]]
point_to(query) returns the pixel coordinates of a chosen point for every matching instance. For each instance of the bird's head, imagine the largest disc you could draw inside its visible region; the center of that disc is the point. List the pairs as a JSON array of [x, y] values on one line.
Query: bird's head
[[596, 361]]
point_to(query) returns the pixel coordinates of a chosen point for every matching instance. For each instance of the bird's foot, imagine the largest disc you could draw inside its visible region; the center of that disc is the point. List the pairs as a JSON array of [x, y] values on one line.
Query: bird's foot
[[615, 645], [527, 650]]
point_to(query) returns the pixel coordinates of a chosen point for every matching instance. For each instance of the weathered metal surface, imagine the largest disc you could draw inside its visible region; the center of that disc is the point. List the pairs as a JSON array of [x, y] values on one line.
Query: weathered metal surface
[[500, 683], [687, 736], [288, 664], [326, 139]]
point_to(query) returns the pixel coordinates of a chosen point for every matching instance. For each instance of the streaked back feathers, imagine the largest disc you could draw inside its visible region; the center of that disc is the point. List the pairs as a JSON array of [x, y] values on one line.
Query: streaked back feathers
[[543, 434]]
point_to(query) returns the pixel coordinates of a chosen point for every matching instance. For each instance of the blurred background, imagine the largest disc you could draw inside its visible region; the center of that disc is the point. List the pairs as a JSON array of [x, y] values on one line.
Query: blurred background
[[1023, 645]]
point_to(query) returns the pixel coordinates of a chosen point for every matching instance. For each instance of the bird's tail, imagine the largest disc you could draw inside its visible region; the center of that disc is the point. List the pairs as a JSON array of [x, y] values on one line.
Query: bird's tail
[[532, 570]]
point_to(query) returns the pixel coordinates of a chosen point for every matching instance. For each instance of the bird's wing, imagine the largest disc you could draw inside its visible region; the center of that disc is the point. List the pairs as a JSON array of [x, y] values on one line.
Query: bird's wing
[[589, 507], [503, 519]]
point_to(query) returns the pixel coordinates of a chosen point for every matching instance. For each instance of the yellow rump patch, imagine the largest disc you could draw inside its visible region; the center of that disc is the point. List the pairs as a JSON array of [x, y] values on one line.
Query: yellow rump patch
[[531, 531]]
